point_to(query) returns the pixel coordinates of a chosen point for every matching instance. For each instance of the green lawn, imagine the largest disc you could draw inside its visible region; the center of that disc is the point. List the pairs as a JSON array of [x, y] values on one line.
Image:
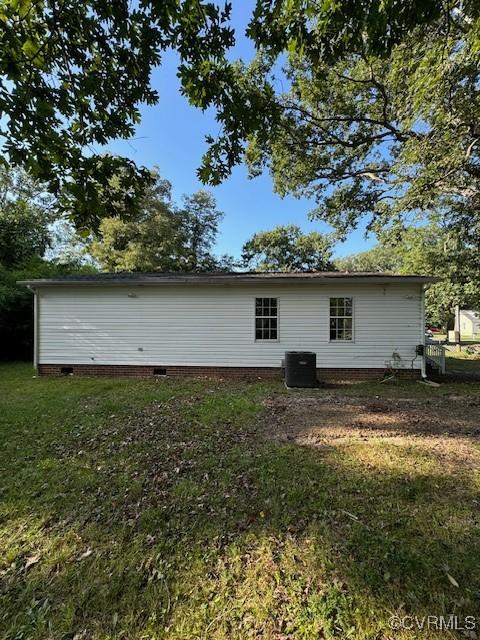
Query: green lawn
[[462, 362], [143, 509]]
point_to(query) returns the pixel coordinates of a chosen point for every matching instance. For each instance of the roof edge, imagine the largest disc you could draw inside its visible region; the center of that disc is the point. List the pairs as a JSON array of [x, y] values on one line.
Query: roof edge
[[227, 279]]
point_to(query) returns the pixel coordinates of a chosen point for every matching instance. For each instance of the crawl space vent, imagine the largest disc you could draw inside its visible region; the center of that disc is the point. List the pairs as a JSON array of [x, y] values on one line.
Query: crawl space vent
[[65, 371]]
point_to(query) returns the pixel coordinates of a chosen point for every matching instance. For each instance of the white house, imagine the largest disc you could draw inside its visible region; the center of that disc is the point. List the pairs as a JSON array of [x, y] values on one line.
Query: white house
[[358, 324], [468, 323]]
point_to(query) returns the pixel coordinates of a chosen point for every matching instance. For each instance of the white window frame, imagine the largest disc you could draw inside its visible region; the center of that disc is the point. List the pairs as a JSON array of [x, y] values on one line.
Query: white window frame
[[265, 340], [341, 340]]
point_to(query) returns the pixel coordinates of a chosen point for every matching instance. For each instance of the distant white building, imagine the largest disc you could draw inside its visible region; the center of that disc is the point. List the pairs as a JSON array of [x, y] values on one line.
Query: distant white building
[[469, 323], [241, 324]]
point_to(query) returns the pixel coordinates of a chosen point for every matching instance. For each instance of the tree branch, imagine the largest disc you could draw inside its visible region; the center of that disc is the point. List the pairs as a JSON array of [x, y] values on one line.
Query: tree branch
[[398, 135], [468, 153]]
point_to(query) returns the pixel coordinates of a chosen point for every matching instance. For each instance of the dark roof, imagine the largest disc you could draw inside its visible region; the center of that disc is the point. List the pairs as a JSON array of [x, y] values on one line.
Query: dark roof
[[225, 278]]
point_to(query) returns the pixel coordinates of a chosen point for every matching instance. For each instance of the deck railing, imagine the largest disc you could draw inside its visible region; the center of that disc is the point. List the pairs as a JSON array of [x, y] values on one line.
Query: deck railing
[[435, 355]]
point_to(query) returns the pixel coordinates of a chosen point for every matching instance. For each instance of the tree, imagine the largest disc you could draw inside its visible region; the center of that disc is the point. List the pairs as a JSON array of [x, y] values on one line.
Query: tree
[[73, 74], [373, 129], [151, 240], [387, 140], [443, 253], [331, 30], [323, 42], [67, 245], [199, 222], [286, 248], [381, 258], [26, 211], [162, 237], [432, 250]]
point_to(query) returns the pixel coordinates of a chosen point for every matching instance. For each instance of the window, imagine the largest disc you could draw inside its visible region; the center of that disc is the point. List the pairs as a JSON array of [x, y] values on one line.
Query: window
[[341, 319], [266, 319]]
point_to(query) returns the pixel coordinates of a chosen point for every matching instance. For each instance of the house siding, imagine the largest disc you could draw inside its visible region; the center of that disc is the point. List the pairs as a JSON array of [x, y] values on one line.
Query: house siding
[[212, 326]]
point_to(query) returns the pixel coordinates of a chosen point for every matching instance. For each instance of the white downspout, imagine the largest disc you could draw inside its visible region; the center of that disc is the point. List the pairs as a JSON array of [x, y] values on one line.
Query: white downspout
[[422, 337], [35, 330]]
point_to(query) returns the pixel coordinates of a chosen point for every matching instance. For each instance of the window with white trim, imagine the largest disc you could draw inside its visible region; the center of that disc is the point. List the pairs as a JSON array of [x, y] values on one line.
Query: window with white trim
[[266, 319], [341, 319]]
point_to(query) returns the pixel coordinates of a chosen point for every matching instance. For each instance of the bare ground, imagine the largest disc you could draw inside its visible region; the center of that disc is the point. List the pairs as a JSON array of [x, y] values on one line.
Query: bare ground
[[448, 428]]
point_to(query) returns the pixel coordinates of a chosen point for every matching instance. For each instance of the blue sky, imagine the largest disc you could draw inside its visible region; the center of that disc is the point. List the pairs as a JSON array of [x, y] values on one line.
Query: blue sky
[[172, 137]]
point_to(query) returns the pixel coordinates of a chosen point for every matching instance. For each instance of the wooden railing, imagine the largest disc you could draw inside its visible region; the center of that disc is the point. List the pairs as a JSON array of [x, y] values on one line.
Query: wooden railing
[[435, 355]]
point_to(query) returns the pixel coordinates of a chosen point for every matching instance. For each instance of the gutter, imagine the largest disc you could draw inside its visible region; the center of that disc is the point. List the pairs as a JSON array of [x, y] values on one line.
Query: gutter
[[126, 282]]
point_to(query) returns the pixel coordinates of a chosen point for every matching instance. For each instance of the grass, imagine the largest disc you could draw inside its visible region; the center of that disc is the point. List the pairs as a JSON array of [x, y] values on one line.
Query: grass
[[462, 362], [142, 509]]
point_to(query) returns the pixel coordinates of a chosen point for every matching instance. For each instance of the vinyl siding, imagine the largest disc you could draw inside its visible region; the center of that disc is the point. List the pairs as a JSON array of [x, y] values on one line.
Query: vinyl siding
[[213, 325]]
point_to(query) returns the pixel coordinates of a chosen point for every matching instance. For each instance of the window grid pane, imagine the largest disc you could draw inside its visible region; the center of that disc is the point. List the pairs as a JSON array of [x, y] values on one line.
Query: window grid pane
[[341, 319], [266, 315]]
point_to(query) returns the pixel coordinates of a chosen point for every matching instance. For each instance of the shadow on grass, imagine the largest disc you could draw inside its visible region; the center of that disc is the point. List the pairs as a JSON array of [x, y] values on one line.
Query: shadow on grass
[[182, 521]]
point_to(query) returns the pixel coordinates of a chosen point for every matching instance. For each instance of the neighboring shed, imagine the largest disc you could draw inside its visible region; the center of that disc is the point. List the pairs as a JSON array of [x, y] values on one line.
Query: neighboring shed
[[469, 321], [358, 324]]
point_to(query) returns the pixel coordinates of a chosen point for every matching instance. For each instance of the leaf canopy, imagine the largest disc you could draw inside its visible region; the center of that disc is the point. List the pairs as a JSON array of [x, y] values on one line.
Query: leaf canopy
[[286, 248], [74, 74]]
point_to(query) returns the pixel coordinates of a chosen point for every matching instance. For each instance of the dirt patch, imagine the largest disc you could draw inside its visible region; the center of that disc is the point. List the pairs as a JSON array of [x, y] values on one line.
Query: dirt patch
[[447, 427]]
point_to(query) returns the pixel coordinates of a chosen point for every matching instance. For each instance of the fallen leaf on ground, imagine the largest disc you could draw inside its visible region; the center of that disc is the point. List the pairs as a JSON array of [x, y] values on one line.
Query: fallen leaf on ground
[[452, 580], [31, 560]]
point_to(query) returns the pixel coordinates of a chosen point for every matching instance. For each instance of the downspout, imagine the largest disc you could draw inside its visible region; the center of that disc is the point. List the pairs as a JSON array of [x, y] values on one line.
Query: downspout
[[35, 328], [422, 337]]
